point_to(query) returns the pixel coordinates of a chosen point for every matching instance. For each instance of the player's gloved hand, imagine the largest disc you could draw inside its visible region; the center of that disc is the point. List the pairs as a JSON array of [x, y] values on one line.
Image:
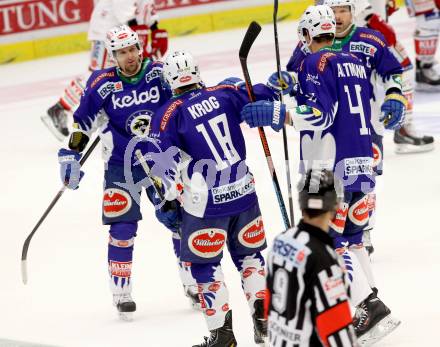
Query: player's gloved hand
[[263, 113], [391, 7], [70, 168], [393, 111], [286, 85], [234, 81], [159, 43], [168, 214]]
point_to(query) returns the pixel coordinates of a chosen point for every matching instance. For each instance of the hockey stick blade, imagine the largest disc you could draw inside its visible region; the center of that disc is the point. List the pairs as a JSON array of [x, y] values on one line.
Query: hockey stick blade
[[252, 33]]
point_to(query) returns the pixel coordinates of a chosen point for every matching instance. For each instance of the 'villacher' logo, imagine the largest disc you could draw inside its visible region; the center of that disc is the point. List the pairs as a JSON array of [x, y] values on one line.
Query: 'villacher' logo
[[207, 243]]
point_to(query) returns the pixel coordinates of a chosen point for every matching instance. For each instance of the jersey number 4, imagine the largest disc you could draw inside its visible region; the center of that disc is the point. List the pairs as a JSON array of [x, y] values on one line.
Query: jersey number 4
[[220, 129], [359, 109]]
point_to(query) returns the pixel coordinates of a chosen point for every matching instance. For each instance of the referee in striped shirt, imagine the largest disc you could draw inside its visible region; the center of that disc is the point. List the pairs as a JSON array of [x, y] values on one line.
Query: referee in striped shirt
[[308, 301]]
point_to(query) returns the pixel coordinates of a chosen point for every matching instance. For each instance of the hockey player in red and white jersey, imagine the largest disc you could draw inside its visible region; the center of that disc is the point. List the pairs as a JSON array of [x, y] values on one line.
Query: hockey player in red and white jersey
[[142, 17], [427, 14], [371, 13]]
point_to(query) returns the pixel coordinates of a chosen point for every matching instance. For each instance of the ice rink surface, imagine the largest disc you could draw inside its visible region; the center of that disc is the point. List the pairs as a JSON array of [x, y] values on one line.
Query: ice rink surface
[[67, 301]]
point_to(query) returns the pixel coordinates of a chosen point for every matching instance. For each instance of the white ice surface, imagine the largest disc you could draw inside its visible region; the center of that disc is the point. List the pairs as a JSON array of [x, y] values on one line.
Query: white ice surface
[[67, 301]]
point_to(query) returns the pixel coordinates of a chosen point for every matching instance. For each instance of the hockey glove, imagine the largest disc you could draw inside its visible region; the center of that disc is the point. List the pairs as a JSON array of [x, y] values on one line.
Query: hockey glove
[[70, 168], [263, 113], [159, 43], [234, 81], [391, 7], [286, 86], [169, 214], [393, 111]]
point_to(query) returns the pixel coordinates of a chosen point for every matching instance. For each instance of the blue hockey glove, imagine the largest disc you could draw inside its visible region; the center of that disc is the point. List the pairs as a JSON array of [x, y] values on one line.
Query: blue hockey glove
[[168, 214], [263, 113], [286, 86], [393, 111], [234, 81], [70, 168]]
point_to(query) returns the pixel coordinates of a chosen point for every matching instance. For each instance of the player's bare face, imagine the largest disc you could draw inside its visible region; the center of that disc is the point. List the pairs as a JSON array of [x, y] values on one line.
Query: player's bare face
[[128, 60], [343, 18]]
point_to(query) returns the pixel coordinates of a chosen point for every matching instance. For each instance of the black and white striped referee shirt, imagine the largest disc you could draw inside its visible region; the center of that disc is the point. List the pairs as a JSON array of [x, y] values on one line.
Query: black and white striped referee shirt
[[308, 301]]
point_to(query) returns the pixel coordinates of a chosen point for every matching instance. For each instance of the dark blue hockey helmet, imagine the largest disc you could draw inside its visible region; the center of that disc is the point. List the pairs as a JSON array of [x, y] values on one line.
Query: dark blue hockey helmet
[[318, 191]]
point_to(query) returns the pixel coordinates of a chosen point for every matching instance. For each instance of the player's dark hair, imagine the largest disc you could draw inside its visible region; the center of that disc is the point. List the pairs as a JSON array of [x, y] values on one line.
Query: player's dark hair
[[184, 89], [324, 38], [312, 213]]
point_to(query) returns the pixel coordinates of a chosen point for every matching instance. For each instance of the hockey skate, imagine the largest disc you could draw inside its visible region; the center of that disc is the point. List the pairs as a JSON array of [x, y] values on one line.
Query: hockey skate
[[427, 77], [221, 337], [366, 240], [373, 321], [260, 324], [125, 305], [56, 121], [407, 141]]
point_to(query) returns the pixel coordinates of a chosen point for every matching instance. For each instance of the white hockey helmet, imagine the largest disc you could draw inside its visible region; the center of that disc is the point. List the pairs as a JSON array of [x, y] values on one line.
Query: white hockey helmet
[[121, 36], [180, 69], [317, 20], [301, 26], [340, 3]]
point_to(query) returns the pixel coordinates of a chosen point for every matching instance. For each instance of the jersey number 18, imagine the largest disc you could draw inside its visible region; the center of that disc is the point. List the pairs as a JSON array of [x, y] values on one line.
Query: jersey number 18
[[223, 139]]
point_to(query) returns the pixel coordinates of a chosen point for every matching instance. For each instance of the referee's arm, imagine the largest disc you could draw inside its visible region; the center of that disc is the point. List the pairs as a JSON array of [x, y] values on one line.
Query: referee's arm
[[333, 317]]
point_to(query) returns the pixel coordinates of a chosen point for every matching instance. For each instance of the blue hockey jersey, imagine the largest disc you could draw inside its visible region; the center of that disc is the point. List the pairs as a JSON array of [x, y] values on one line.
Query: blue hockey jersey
[[122, 108], [201, 143], [336, 135], [368, 45]]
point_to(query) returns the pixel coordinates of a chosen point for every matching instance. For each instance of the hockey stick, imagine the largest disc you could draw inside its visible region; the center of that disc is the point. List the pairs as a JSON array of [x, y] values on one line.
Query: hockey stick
[[251, 34], [165, 204], [286, 148], [147, 170], [27, 242]]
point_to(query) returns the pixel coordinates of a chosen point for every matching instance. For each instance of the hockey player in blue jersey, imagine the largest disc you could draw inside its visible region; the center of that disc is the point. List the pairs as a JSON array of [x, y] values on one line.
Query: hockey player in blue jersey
[[371, 47], [199, 133], [334, 120], [121, 102]]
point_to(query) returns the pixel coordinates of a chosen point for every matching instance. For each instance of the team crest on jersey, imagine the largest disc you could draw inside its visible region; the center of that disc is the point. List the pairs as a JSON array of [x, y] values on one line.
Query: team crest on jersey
[[364, 48], [138, 124], [207, 243], [252, 235]]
